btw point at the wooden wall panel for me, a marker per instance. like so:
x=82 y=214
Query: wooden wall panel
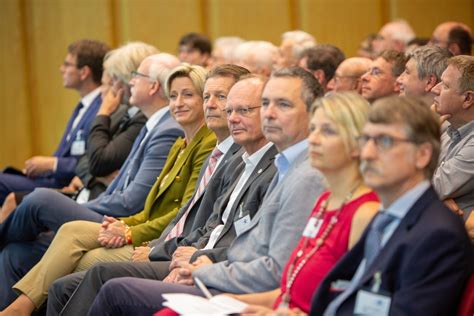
x=15 y=134
x=51 y=26
x=160 y=23
x=425 y=15
x=344 y=23
x=249 y=19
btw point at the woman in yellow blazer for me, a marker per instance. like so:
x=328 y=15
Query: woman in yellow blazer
x=79 y=244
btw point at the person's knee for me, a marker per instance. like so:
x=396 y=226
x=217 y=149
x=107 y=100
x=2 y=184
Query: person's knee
x=39 y=196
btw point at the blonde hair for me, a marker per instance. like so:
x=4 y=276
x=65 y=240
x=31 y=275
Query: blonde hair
x=120 y=62
x=195 y=73
x=349 y=112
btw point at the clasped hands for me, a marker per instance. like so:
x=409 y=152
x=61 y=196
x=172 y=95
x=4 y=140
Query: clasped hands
x=112 y=233
x=181 y=271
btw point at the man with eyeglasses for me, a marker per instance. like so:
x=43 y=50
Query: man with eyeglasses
x=454 y=177
x=381 y=78
x=81 y=71
x=415 y=256
x=348 y=73
x=45 y=210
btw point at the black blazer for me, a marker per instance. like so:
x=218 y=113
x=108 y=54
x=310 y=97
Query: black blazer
x=424 y=265
x=109 y=143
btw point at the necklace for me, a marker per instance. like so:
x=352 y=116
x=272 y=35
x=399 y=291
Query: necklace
x=292 y=271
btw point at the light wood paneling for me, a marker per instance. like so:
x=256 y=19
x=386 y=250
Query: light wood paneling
x=250 y=19
x=344 y=23
x=51 y=26
x=14 y=111
x=160 y=23
x=425 y=15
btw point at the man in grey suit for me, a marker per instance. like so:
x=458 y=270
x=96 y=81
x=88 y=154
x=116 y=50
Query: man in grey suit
x=46 y=210
x=233 y=210
x=256 y=257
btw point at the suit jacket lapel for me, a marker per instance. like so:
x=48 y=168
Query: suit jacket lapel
x=405 y=225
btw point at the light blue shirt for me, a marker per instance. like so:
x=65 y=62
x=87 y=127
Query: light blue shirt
x=397 y=209
x=285 y=159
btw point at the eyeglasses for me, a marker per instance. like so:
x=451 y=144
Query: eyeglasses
x=69 y=64
x=383 y=142
x=139 y=74
x=240 y=111
x=338 y=77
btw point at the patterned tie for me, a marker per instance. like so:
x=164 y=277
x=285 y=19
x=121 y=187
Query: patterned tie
x=70 y=127
x=373 y=243
x=177 y=230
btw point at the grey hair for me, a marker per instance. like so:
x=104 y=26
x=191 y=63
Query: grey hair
x=430 y=60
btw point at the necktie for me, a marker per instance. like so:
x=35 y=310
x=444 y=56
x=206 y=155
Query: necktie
x=455 y=137
x=177 y=230
x=125 y=170
x=373 y=243
x=72 y=122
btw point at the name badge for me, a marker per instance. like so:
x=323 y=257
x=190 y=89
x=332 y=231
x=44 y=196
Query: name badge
x=241 y=224
x=371 y=304
x=78 y=148
x=312 y=227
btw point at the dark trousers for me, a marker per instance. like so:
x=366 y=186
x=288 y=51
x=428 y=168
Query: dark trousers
x=74 y=294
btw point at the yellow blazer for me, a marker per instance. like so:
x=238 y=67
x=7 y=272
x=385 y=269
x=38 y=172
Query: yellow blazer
x=173 y=188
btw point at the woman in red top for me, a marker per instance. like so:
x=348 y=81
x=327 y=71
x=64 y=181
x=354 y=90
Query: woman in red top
x=340 y=215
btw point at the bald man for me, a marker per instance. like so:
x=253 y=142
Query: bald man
x=348 y=73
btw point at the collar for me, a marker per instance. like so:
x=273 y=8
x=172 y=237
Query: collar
x=463 y=131
x=225 y=145
x=90 y=97
x=132 y=111
x=285 y=159
x=252 y=160
x=155 y=118
x=403 y=204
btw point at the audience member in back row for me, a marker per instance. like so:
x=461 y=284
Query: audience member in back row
x=394 y=35
x=256 y=56
x=422 y=72
x=340 y=214
x=455 y=36
x=22 y=241
x=381 y=79
x=194 y=49
x=322 y=61
x=454 y=177
x=348 y=73
x=293 y=43
x=415 y=256
x=81 y=71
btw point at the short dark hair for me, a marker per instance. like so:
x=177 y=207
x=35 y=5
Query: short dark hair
x=90 y=53
x=421 y=124
x=310 y=88
x=227 y=70
x=326 y=57
x=197 y=41
x=462 y=38
x=397 y=59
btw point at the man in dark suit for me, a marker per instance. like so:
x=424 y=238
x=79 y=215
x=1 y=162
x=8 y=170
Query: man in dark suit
x=232 y=211
x=81 y=71
x=415 y=256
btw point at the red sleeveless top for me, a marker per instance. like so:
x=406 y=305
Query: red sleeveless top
x=321 y=262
